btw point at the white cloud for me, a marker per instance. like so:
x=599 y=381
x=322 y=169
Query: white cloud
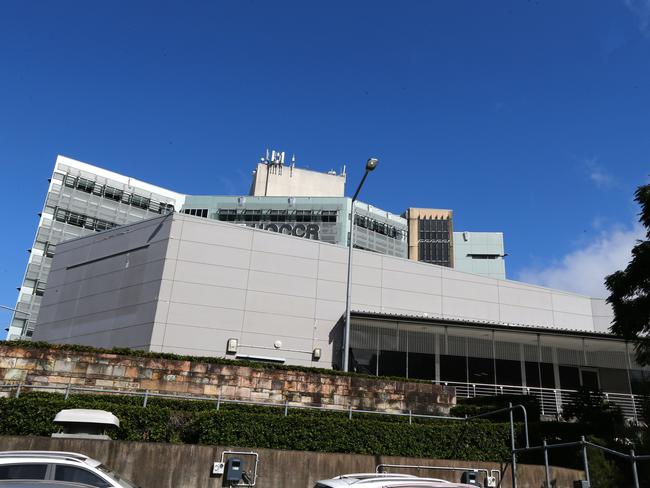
x=641 y=9
x=598 y=174
x=584 y=270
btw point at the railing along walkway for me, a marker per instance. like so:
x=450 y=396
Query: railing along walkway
x=551 y=400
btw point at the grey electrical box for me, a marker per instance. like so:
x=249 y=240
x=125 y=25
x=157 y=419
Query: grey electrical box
x=581 y=484
x=234 y=470
x=469 y=477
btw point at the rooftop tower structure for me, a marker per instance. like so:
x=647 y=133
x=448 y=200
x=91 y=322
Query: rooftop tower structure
x=274 y=178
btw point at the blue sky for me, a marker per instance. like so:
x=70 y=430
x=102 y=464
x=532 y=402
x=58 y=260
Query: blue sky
x=527 y=117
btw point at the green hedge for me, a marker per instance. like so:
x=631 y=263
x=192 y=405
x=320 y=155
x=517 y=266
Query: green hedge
x=165 y=420
x=484 y=404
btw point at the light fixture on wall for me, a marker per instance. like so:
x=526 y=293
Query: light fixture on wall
x=315 y=354
x=231 y=346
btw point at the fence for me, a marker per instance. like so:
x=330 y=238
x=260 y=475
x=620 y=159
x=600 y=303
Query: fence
x=632 y=457
x=218 y=400
x=551 y=400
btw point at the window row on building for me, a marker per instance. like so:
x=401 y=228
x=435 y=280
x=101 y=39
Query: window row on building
x=382 y=228
x=485 y=357
x=197 y=212
x=81 y=220
x=115 y=194
x=254 y=215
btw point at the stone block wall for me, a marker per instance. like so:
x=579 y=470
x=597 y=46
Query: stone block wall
x=58 y=368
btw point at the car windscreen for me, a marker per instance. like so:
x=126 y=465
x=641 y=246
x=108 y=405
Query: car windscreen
x=119 y=479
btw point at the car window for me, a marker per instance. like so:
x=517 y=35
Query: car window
x=26 y=471
x=79 y=475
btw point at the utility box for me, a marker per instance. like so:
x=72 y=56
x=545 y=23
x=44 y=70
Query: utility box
x=469 y=478
x=234 y=470
x=581 y=484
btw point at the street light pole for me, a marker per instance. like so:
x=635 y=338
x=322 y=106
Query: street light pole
x=371 y=164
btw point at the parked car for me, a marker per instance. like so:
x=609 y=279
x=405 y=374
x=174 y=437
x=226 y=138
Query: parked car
x=40 y=484
x=67 y=467
x=386 y=480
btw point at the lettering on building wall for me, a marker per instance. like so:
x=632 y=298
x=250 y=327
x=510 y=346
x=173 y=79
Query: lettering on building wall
x=308 y=231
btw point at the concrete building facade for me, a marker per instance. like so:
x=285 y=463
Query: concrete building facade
x=190 y=285
x=81 y=199
x=480 y=253
x=273 y=178
x=324 y=219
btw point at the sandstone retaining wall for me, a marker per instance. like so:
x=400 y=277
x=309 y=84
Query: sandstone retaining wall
x=58 y=368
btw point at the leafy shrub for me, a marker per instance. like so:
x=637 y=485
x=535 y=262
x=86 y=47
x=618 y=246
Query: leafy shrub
x=484 y=404
x=168 y=420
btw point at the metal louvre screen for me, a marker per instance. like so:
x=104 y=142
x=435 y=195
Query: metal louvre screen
x=364 y=336
x=455 y=346
x=570 y=356
x=421 y=341
x=506 y=350
x=388 y=338
x=479 y=348
x=606 y=359
x=531 y=353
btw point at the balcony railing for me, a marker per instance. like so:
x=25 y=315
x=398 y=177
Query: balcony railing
x=551 y=400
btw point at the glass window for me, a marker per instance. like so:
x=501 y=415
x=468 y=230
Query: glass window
x=113 y=193
x=422 y=366
x=70 y=181
x=50 y=249
x=60 y=215
x=76 y=219
x=548 y=376
x=363 y=361
x=453 y=368
x=508 y=372
x=392 y=363
x=481 y=370
x=589 y=379
x=532 y=374
x=85 y=185
x=640 y=381
x=614 y=380
x=140 y=201
x=79 y=475
x=27 y=471
x=569 y=378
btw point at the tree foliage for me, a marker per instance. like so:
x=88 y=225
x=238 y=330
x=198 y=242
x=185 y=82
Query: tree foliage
x=630 y=289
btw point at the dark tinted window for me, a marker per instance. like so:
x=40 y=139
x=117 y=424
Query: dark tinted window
x=508 y=372
x=79 y=475
x=422 y=366
x=23 y=472
x=453 y=368
x=481 y=370
x=569 y=378
x=392 y=363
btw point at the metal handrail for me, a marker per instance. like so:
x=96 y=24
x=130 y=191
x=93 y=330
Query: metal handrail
x=146 y=394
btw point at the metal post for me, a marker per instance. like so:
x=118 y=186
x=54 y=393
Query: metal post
x=348 y=295
x=585 y=460
x=547 y=473
x=146 y=398
x=635 y=475
x=350 y=411
x=371 y=164
x=67 y=391
x=512 y=446
x=410 y=417
x=18 y=389
x=286 y=408
x=219 y=401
